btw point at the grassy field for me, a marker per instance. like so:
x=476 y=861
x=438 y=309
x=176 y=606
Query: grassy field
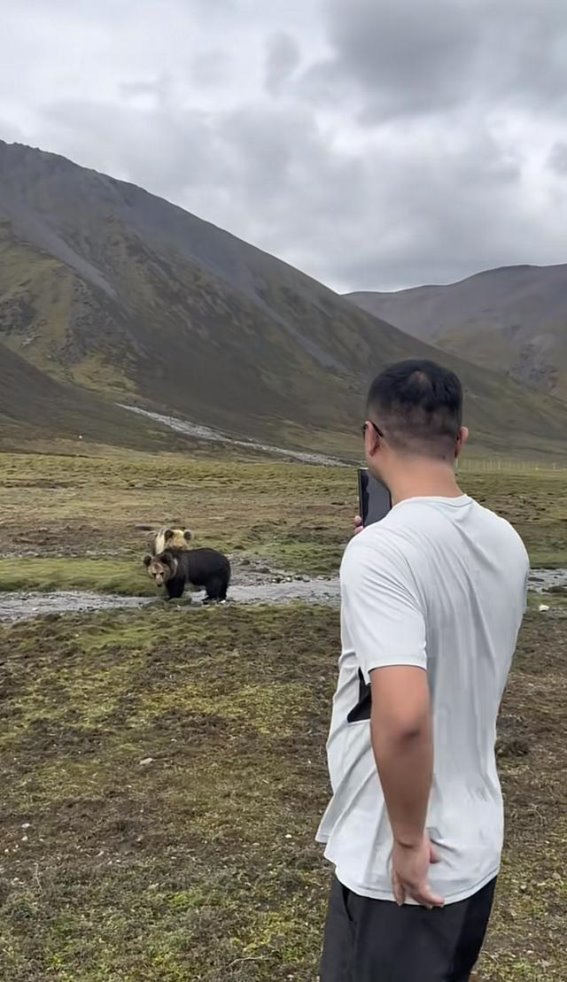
x=75 y=522
x=163 y=779
x=164 y=771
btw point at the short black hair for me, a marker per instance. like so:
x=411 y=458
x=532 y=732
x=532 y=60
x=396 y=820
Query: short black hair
x=419 y=405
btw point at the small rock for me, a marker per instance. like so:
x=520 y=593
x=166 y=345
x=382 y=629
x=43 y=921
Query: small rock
x=146 y=761
x=543 y=607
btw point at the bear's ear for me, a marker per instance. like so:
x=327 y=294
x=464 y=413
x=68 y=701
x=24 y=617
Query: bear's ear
x=168 y=534
x=147 y=560
x=187 y=535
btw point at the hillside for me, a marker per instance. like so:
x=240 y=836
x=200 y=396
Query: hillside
x=123 y=295
x=36 y=407
x=512 y=319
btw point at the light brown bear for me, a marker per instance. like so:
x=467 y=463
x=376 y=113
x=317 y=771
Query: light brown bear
x=170 y=538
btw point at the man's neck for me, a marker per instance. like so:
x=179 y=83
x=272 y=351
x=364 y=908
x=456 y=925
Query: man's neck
x=423 y=479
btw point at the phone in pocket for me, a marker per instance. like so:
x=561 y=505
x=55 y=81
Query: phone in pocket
x=374 y=500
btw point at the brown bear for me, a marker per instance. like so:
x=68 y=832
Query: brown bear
x=175 y=569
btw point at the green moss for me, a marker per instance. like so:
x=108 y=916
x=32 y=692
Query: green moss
x=99 y=575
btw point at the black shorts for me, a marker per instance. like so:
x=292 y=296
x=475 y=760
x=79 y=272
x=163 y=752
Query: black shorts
x=377 y=941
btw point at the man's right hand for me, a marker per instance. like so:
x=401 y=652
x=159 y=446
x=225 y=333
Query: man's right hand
x=358 y=526
x=410 y=869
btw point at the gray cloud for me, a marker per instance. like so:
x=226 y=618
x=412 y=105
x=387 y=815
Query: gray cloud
x=160 y=148
x=375 y=145
x=159 y=89
x=558 y=158
x=407 y=57
x=210 y=69
x=397 y=56
x=283 y=57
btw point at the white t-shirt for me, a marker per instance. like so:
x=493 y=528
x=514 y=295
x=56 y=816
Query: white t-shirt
x=441 y=584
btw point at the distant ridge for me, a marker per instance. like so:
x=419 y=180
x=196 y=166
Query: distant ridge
x=512 y=319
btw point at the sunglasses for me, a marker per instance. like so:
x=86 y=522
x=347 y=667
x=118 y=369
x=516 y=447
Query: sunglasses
x=376 y=429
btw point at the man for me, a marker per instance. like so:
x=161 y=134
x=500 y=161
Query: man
x=432 y=599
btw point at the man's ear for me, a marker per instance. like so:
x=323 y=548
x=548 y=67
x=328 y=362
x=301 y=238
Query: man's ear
x=371 y=441
x=462 y=439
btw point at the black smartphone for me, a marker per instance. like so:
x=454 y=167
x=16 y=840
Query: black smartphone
x=374 y=499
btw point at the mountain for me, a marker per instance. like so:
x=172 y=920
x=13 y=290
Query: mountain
x=512 y=319
x=116 y=296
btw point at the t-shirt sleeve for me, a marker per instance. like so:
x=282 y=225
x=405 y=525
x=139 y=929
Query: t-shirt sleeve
x=381 y=610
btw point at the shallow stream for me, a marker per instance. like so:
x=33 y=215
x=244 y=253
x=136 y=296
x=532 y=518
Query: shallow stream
x=24 y=605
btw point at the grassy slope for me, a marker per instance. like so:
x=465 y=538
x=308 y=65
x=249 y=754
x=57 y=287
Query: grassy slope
x=214 y=354
x=190 y=343
x=201 y=864
x=146 y=299
x=34 y=407
x=541 y=359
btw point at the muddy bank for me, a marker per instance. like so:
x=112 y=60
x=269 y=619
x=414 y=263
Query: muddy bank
x=22 y=605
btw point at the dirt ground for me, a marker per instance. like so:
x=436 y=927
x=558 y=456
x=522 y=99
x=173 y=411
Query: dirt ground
x=162 y=786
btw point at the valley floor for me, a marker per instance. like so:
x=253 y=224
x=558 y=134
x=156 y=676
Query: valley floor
x=81 y=522
x=164 y=772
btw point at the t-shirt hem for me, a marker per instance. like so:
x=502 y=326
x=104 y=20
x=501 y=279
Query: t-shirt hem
x=452 y=898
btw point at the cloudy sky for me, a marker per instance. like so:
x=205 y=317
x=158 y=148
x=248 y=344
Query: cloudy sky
x=375 y=144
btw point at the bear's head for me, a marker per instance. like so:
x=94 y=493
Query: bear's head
x=161 y=568
x=170 y=538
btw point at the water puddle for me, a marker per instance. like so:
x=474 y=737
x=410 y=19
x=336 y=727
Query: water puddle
x=542 y=580
x=23 y=606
